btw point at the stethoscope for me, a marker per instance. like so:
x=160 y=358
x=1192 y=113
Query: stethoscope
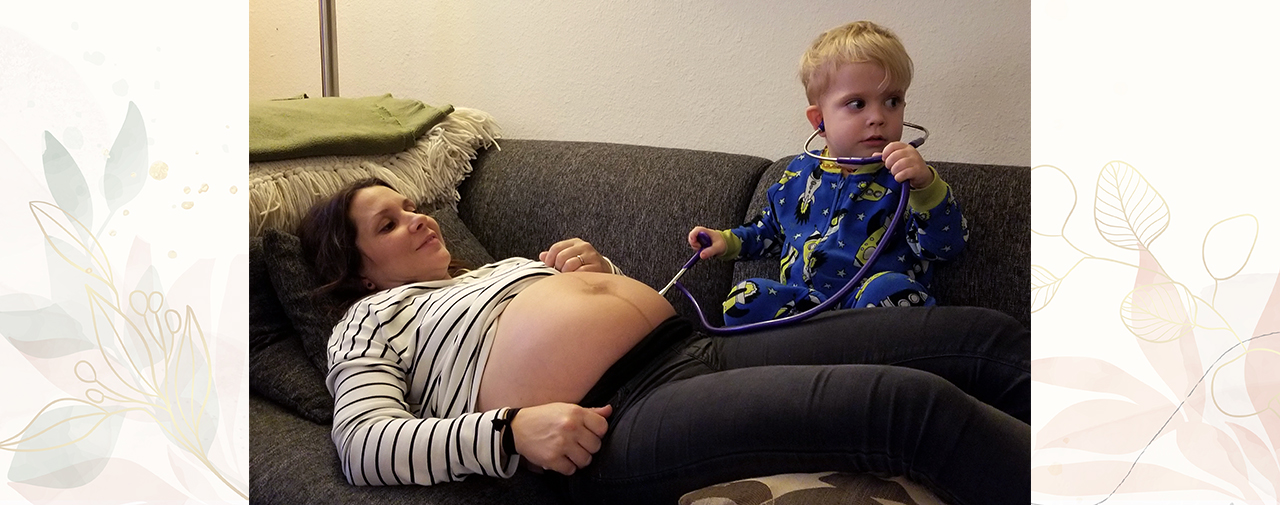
x=705 y=241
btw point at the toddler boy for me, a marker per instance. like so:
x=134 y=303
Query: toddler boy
x=823 y=218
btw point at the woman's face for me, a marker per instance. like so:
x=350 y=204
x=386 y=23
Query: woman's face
x=397 y=245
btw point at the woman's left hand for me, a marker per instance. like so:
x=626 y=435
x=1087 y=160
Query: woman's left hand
x=575 y=255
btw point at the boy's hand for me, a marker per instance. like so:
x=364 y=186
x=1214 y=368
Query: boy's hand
x=906 y=164
x=717 y=247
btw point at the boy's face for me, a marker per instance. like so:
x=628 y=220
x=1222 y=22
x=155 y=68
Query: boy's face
x=860 y=116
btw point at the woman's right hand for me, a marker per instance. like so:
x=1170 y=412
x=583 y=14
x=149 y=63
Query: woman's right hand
x=717 y=247
x=560 y=436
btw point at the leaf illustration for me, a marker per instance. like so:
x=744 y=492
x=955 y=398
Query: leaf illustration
x=1251 y=372
x=1104 y=426
x=1261 y=382
x=191 y=474
x=132 y=355
x=66 y=182
x=188 y=389
x=1043 y=286
x=1224 y=251
x=126 y=169
x=39 y=328
x=1101 y=477
x=1256 y=450
x=1160 y=312
x=148 y=303
x=66 y=280
x=1178 y=363
x=1129 y=212
x=121 y=482
x=64 y=446
x=56 y=223
x=1092 y=374
x=1213 y=451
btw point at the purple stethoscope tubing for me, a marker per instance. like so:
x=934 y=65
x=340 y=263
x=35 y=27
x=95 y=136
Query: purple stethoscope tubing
x=705 y=241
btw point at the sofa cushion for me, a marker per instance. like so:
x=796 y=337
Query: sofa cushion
x=282 y=372
x=293 y=461
x=994 y=270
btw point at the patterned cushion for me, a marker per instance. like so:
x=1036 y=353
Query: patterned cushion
x=807 y=488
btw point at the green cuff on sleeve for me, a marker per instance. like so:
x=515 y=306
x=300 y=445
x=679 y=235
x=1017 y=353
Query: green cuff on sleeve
x=929 y=196
x=733 y=245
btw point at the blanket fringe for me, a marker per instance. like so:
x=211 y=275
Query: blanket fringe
x=281 y=192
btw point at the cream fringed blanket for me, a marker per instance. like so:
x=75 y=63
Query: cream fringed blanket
x=280 y=192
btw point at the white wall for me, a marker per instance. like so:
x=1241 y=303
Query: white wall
x=717 y=75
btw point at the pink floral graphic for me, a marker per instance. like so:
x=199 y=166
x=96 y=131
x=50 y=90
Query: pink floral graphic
x=1217 y=398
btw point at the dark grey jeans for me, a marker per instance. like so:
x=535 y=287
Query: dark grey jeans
x=940 y=395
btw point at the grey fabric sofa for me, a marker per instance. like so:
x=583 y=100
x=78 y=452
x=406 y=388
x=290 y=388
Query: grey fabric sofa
x=635 y=204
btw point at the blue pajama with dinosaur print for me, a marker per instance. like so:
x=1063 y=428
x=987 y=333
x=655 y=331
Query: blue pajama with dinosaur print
x=824 y=224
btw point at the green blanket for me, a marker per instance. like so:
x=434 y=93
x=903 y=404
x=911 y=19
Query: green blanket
x=333 y=126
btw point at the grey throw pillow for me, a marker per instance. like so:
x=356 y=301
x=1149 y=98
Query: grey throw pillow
x=268 y=322
x=278 y=368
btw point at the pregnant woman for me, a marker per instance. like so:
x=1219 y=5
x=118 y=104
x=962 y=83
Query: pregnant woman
x=585 y=374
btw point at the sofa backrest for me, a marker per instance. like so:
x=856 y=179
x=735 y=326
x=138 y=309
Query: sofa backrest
x=994 y=271
x=634 y=203
x=637 y=203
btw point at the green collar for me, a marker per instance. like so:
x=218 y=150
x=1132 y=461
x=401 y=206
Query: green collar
x=836 y=168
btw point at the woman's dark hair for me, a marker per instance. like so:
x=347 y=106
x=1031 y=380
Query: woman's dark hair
x=329 y=243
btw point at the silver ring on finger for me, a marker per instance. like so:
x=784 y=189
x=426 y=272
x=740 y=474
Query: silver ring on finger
x=580 y=260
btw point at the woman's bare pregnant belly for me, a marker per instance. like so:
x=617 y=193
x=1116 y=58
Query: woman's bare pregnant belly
x=559 y=335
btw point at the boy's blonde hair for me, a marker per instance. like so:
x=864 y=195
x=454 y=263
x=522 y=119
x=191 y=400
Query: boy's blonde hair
x=856 y=42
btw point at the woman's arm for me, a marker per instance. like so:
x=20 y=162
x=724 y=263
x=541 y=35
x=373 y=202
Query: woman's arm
x=379 y=441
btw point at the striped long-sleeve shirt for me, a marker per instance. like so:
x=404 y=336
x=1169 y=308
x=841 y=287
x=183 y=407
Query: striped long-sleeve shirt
x=404 y=370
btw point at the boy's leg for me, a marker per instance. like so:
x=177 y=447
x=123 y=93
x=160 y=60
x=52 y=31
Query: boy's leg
x=889 y=289
x=984 y=352
x=755 y=300
x=736 y=424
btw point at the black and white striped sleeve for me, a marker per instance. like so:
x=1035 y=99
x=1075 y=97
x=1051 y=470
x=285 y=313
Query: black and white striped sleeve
x=379 y=441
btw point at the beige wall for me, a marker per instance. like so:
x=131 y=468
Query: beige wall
x=718 y=75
